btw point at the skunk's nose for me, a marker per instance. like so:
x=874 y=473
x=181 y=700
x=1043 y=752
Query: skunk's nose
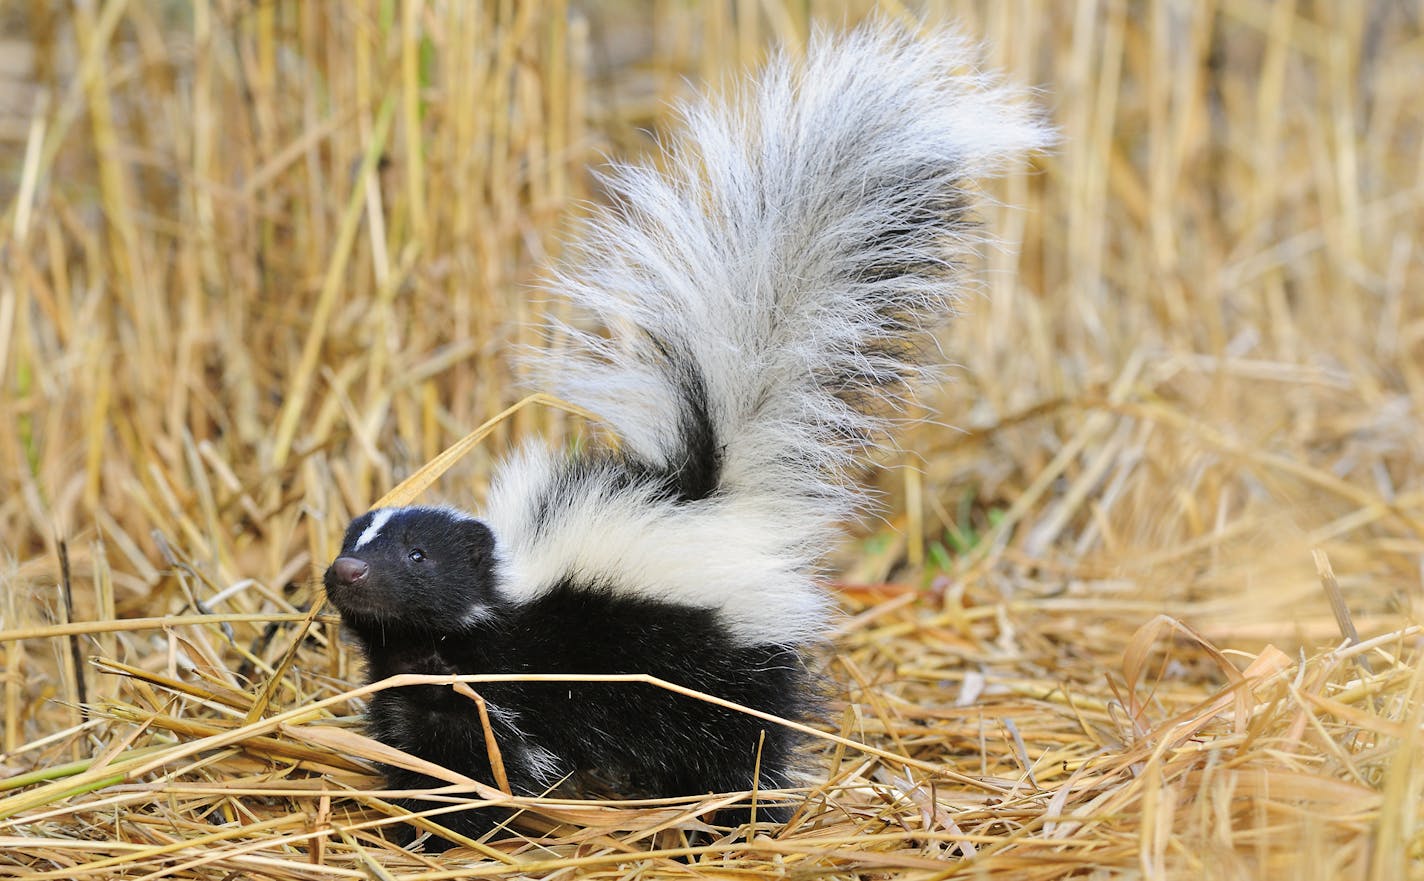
x=350 y=570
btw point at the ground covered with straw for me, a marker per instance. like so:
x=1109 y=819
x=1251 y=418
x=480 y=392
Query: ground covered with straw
x=1144 y=601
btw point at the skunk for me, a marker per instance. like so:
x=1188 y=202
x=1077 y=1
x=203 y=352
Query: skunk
x=760 y=305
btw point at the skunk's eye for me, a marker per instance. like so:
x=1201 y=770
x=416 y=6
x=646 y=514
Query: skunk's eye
x=416 y=555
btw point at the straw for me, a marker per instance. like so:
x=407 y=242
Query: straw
x=1143 y=597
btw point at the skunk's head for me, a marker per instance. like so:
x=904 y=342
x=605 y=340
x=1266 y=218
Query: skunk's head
x=430 y=568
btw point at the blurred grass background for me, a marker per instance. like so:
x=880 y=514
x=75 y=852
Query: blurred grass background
x=261 y=260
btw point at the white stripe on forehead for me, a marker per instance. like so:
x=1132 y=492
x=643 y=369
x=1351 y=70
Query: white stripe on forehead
x=378 y=523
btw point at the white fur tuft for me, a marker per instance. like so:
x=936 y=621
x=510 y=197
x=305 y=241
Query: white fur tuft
x=783 y=268
x=734 y=554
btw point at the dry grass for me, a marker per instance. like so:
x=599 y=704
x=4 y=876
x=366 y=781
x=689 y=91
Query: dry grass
x=261 y=261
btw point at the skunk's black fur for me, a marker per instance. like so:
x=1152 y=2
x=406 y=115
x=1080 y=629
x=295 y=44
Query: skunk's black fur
x=767 y=297
x=650 y=740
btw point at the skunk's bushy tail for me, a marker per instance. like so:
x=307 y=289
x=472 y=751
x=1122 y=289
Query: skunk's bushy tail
x=762 y=301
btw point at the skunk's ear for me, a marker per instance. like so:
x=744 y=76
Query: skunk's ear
x=477 y=539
